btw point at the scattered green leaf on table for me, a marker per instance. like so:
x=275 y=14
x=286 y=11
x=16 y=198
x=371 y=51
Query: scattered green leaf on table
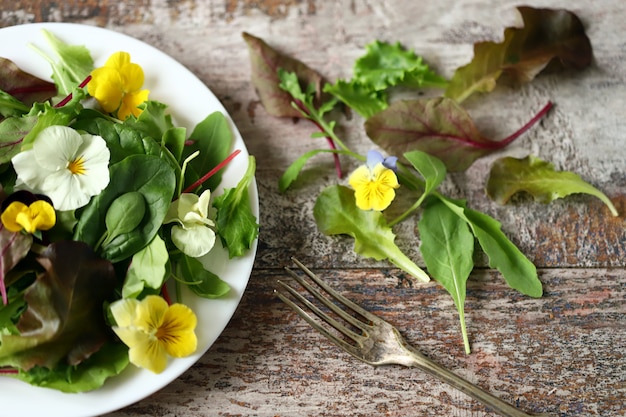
x=293 y=171
x=336 y=213
x=236 y=225
x=384 y=65
x=432 y=169
x=547 y=36
x=447 y=248
x=517 y=270
x=64 y=320
x=265 y=62
x=509 y=176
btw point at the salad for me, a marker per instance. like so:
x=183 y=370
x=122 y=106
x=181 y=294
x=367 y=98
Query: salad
x=108 y=209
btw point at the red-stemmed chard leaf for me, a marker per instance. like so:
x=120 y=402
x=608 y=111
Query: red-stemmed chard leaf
x=438 y=126
x=64 y=320
x=549 y=37
x=23 y=86
x=265 y=62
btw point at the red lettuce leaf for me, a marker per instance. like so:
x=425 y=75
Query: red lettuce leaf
x=14 y=247
x=549 y=37
x=64 y=320
x=23 y=86
x=438 y=126
x=265 y=62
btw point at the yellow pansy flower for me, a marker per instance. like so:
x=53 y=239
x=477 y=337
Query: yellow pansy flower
x=39 y=215
x=152 y=330
x=374 y=184
x=117 y=86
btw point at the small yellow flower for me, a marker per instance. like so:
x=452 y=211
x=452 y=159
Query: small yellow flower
x=117 y=86
x=374 y=188
x=152 y=330
x=39 y=215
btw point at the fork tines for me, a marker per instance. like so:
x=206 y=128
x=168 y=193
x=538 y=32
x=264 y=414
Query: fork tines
x=333 y=302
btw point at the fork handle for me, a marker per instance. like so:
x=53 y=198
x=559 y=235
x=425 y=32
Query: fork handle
x=501 y=407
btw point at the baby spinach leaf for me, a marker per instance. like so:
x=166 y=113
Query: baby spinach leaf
x=124 y=215
x=336 y=213
x=145 y=174
x=519 y=273
x=509 y=176
x=447 y=248
x=214 y=139
x=548 y=36
x=236 y=225
x=23 y=87
x=202 y=282
x=64 y=320
x=122 y=139
x=438 y=126
x=147 y=269
x=384 y=65
x=265 y=62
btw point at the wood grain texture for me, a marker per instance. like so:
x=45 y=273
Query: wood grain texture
x=563 y=353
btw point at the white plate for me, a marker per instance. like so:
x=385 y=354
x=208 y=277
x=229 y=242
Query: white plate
x=190 y=101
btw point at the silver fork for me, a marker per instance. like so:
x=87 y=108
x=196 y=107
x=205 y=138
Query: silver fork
x=378 y=342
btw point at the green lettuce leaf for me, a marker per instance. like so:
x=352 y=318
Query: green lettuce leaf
x=383 y=65
x=336 y=213
x=509 y=176
x=73 y=66
x=548 y=36
x=236 y=224
x=147 y=269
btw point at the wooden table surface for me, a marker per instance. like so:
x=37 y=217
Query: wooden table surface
x=563 y=353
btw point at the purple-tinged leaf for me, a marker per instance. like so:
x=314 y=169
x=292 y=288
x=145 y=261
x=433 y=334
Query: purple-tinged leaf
x=438 y=126
x=64 y=320
x=23 y=86
x=15 y=247
x=265 y=62
x=549 y=37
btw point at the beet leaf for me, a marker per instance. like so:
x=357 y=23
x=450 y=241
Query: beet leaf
x=552 y=37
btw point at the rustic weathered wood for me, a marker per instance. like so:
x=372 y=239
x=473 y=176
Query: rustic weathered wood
x=563 y=353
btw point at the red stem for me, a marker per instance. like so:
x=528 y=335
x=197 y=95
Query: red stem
x=69 y=96
x=8 y=371
x=166 y=294
x=212 y=172
x=331 y=143
x=523 y=129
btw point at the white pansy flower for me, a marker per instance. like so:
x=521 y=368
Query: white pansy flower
x=193 y=234
x=66 y=166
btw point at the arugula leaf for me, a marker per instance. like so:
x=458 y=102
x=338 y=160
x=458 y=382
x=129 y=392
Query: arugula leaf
x=447 y=248
x=293 y=171
x=384 y=65
x=519 y=273
x=236 y=225
x=509 y=176
x=63 y=321
x=265 y=62
x=25 y=88
x=547 y=37
x=74 y=65
x=336 y=213
x=438 y=126
x=432 y=169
